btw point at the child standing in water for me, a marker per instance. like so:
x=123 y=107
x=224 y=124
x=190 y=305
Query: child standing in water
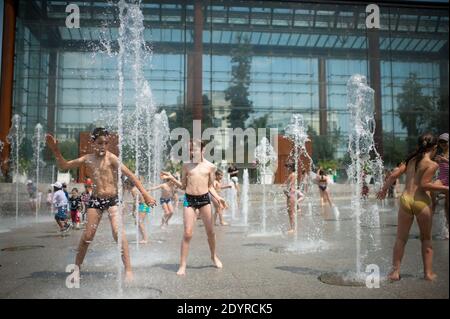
x=293 y=196
x=415 y=202
x=442 y=159
x=75 y=206
x=218 y=210
x=60 y=203
x=168 y=192
x=142 y=209
x=197 y=178
x=49 y=199
x=103 y=167
x=85 y=198
x=323 y=181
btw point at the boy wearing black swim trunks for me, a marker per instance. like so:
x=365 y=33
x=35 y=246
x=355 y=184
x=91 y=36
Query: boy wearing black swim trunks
x=102 y=166
x=168 y=191
x=197 y=179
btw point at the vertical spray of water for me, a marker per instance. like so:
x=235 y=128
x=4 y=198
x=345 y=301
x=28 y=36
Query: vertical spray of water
x=296 y=132
x=161 y=135
x=134 y=51
x=120 y=71
x=52 y=207
x=38 y=145
x=266 y=156
x=14 y=138
x=244 y=197
x=363 y=154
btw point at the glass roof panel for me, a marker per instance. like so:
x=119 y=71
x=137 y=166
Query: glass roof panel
x=294 y=39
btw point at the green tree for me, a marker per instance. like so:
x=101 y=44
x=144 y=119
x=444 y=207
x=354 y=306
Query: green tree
x=260 y=122
x=69 y=150
x=324 y=147
x=238 y=91
x=439 y=116
x=415 y=109
x=395 y=150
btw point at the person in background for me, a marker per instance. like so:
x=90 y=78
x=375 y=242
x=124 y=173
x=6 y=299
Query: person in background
x=234 y=176
x=442 y=160
x=49 y=199
x=32 y=193
x=60 y=203
x=85 y=198
x=75 y=207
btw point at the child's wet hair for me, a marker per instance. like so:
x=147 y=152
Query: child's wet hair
x=99 y=131
x=219 y=173
x=425 y=143
x=75 y=189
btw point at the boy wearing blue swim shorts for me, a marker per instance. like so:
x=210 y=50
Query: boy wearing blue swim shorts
x=60 y=203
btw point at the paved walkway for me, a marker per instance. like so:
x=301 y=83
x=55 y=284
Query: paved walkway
x=256 y=264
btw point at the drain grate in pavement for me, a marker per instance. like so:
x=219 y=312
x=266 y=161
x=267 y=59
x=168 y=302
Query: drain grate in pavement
x=279 y=250
x=19 y=248
x=342 y=279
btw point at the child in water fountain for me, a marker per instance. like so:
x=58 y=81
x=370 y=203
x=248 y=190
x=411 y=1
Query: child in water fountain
x=198 y=181
x=292 y=195
x=60 y=202
x=102 y=166
x=75 y=206
x=49 y=199
x=168 y=191
x=322 y=182
x=218 y=210
x=142 y=210
x=415 y=202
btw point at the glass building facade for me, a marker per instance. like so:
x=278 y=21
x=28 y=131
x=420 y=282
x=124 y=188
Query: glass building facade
x=300 y=56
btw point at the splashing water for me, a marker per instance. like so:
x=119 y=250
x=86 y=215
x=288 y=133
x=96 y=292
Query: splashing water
x=38 y=145
x=363 y=154
x=245 y=197
x=14 y=138
x=296 y=132
x=231 y=197
x=161 y=135
x=149 y=148
x=266 y=157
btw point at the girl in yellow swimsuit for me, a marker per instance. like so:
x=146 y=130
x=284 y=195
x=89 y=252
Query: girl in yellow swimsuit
x=415 y=201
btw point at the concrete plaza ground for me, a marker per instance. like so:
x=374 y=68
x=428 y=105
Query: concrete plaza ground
x=256 y=265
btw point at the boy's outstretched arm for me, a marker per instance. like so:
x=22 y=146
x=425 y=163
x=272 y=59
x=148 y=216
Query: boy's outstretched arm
x=154 y=188
x=181 y=185
x=149 y=200
x=52 y=144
